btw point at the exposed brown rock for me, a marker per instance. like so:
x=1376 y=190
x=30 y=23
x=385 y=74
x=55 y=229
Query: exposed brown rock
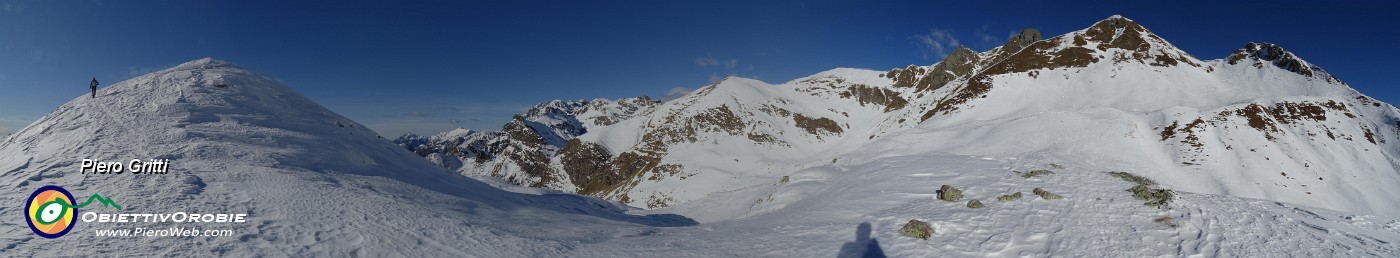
x=876 y=96
x=1117 y=33
x=1190 y=131
x=627 y=167
x=1263 y=118
x=528 y=154
x=773 y=110
x=762 y=138
x=1279 y=57
x=1169 y=131
x=816 y=125
x=1012 y=46
x=905 y=77
x=719 y=119
x=1025 y=38
x=1371 y=137
x=958 y=64
x=1036 y=56
x=588 y=165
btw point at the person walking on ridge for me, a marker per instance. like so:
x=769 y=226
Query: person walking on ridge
x=93 y=86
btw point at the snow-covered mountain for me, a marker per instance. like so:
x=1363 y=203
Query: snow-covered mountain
x=1259 y=123
x=312 y=182
x=521 y=150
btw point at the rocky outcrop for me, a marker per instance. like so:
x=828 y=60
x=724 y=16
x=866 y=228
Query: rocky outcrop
x=959 y=64
x=875 y=96
x=1262 y=53
x=1117 y=39
x=588 y=165
x=521 y=152
x=1022 y=40
x=816 y=126
x=1012 y=46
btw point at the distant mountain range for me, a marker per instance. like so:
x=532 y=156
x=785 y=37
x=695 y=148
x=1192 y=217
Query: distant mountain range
x=1260 y=122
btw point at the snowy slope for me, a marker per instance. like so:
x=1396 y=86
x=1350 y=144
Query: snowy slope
x=855 y=210
x=313 y=182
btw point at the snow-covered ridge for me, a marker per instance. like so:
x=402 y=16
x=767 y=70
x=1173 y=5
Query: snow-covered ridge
x=239 y=142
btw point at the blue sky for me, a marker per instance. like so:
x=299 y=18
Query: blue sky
x=428 y=66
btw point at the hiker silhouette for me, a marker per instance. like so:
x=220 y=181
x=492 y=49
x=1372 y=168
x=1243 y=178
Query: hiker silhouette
x=93 y=86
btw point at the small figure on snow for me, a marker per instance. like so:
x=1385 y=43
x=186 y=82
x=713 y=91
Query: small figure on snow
x=93 y=86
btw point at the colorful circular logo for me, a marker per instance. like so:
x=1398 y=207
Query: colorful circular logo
x=50 y=211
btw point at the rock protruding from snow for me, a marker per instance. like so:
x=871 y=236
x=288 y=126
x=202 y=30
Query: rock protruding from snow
x=1259 y=54
x=916 y=229
x=1023 y=39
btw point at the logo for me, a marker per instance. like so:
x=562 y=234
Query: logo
x=51 y=211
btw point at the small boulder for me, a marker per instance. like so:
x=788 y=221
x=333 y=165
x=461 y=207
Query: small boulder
x=948 y=193
x=916 y=229
x=1009 y=197
x=975 y=204
x=1036 y=173
x=1045 y=194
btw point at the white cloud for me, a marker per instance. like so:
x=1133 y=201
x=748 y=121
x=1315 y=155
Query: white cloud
x=937 y=43
x=706 y=61
x=675 y=93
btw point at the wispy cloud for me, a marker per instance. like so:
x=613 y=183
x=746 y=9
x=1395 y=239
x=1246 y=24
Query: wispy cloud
x=709 y=60
x=416 y=114
x=730 y=67
x=394 y=120
x=985 y=39
x=675 y=93
x=937 y=43
x=706 y=61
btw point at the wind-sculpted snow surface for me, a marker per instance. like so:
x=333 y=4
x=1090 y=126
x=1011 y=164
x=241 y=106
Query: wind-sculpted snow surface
x=852 y=210
x=312 y=182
